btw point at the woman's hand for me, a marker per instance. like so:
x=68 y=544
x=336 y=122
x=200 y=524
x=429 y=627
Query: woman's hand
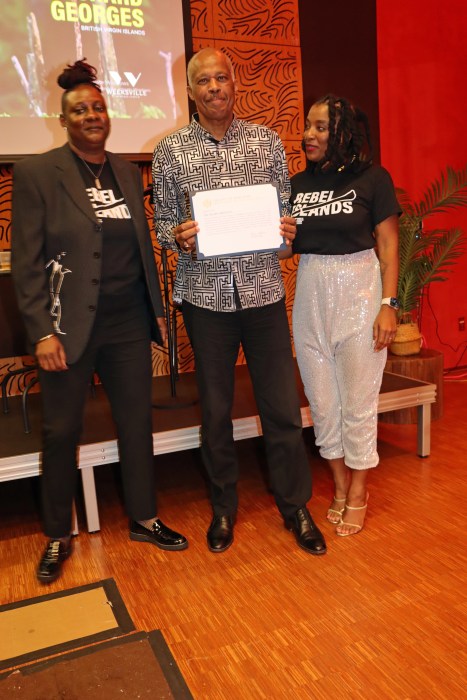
x=288 y=229
x=185 y=235
x=162 y=325
x=50 y=355
x=384 y=327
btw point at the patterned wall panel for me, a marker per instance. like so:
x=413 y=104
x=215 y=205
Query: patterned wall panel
x=166 y=268
x=289 y=274
x=7 y=363
x=160 y=361
x=296 y=162
x=201 y=18
x=268 y=85
x=16 y=383
x=5 y=206
x=201 y=43
x=295 y=156
x=261 y=21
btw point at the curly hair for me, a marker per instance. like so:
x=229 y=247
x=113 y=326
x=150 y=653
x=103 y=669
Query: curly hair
x=79 y=73
x=349 y=144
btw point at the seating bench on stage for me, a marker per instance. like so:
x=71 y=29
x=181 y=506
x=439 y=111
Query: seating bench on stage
x=178 y=428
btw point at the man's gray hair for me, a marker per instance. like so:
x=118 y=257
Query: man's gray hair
x=192 y=64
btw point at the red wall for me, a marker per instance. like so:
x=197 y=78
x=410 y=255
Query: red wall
x=422 y=73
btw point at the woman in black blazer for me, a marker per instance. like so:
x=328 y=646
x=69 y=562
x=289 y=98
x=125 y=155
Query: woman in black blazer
x=87 y=286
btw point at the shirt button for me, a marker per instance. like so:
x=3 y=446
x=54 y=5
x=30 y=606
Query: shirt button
x=91 y=307
x=96 y=254
x=94 y=281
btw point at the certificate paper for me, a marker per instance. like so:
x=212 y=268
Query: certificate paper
x=237 y=220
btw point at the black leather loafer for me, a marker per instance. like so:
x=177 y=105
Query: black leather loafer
x=220 y=533
x=306 y=533
x=51 y=562
x=160 y=535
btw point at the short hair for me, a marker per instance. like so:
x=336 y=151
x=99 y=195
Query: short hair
x=192 y=63
x=349 y=142
x=79 y=73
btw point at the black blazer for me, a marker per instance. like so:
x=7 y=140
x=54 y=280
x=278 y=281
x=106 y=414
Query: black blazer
x=53 y=216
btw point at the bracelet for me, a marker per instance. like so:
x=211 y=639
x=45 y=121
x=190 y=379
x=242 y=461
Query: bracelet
x=46 y=337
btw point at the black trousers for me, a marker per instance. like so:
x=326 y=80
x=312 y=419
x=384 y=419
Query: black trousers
x=120 y=351
x=265 y=337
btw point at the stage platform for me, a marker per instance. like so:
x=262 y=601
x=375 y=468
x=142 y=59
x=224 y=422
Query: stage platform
x=175 y=427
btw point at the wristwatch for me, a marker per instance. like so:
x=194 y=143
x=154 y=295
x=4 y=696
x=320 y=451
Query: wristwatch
x=392 y=302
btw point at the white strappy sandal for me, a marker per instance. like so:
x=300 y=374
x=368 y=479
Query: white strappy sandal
x=355 y=528
x=335 y=511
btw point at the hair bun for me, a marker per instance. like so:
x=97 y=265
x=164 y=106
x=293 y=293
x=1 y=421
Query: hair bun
x=76 y=74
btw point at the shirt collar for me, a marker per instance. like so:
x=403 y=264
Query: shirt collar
x=201 y=131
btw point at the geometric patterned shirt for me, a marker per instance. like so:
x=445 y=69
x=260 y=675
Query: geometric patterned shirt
x=190 y=160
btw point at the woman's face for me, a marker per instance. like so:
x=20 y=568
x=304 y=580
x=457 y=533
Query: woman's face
x=316 y=134
x=86 y=119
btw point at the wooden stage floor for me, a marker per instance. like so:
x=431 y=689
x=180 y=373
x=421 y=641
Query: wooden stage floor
x=175 y=427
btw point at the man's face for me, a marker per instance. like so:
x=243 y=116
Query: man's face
x=212 y=88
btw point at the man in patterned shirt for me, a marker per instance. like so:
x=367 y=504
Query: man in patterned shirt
x=231 y=300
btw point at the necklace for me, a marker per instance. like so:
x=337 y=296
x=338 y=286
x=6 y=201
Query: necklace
x=97 y=175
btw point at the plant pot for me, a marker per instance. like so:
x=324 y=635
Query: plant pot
x=408 y=339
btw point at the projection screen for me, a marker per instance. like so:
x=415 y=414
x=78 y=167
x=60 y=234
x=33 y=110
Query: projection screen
x=137 y=46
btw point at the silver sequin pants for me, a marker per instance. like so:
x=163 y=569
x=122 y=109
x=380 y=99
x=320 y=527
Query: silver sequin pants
x=337 y=299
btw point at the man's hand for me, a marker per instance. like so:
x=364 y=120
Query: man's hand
x=185 y=234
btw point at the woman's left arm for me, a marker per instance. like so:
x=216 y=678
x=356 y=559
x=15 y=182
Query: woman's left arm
x=387 y=239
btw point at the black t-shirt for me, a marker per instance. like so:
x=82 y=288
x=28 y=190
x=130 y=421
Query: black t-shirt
x=337 y=212
x=122 y=267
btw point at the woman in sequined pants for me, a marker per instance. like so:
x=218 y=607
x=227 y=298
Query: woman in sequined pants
x=344 y=314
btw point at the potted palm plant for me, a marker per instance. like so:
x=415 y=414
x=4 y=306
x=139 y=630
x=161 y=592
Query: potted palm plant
x=426 y=255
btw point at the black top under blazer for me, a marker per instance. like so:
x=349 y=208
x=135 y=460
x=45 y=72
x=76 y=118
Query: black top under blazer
x=51 y=215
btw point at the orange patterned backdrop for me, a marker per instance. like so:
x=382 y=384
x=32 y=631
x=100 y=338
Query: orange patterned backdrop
x=262 y=39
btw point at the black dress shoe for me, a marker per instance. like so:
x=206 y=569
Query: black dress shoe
x=51 y=562
x=160 y=535
x=306 y=533
x=220 y=533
